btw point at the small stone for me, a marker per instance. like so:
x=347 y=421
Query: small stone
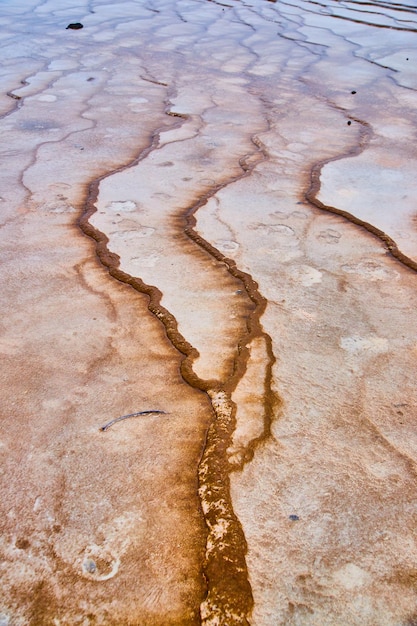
x=349 y=123
x=89 y=566
x=74 y=26
x=353 y=92
x=293 y=518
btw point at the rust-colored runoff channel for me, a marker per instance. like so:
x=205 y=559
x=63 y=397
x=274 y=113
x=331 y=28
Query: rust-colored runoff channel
x=229 y=599
x=311 y=196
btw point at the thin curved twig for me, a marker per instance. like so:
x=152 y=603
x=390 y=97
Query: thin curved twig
x=125 y=417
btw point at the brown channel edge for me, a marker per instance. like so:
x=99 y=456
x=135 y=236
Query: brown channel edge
x=229 y=598
x=311 y=196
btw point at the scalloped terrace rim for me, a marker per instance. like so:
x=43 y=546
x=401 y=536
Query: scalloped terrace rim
x=311 y=196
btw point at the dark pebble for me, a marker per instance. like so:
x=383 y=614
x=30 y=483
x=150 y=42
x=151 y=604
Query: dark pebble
x=74 y=26
x=353 y=92
x=349 y=123
x=293 y=518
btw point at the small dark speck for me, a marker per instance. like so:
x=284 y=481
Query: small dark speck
x=293 y=518
x=353 y=92
x=22 y=544
x=74 y=26
x=239 y=291
x=91 y=78
x=407 y=59
x=349 y=123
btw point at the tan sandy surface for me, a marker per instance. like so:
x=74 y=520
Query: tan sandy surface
x=208 y=217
